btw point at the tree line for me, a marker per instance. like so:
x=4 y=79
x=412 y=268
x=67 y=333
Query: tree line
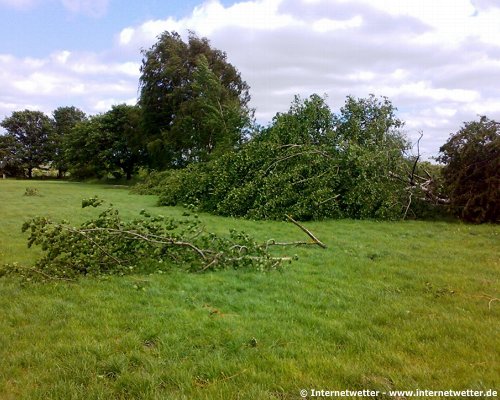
x=193 y=122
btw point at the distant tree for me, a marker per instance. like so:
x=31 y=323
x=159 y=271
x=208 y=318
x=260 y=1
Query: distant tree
x=122 y=125
x=30 y=131
x=65 y=119
x=104 y=144
x=10 y=165
x=472 y=170
x=193 y=101
x=82 y=147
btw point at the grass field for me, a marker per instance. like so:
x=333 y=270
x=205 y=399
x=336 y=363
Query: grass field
x=389 y=305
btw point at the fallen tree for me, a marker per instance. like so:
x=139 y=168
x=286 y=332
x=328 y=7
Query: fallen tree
x=309 y=163
x=424 y=189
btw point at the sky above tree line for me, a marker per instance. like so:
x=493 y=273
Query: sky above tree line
x=438 y=61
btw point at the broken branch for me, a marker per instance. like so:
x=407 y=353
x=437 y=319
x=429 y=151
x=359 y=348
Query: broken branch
x=307 y=232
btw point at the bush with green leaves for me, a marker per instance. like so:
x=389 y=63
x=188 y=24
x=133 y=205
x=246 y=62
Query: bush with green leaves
x=471 y=160
x=309 y=163
x=108 y=244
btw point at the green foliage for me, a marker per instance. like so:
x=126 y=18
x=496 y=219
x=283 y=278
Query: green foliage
x=29 y=144
x=108 y=244
x=10 y=164
x=31 y=191
x=104 y=144
x=471 y=172
x=369 y=123
x=194 y=102
x=308 y=163
x=65 y=119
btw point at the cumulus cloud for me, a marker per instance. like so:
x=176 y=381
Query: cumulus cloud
x=64 y=78
x=92 y=8
x=436 y=60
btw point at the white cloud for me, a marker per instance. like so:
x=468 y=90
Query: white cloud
x=106 y=104
x=92 y=8
x=327 y=24
x=211 y=16
x=61 y=56
x=65 y=78
x=438 y=61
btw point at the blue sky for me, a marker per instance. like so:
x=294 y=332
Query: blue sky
x=34 y=29
x=437 y=61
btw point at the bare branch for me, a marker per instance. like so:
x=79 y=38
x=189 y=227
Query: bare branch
x=307 y=232
x=412 y=182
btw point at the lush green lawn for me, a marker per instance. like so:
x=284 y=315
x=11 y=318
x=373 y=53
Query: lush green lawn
x=389 y=305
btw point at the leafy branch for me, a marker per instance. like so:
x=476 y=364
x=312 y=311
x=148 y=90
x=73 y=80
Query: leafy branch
x=107 y=244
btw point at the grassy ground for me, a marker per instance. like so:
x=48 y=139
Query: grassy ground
x=389 y=305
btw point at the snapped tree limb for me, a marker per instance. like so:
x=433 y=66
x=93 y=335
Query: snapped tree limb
x=109 y=245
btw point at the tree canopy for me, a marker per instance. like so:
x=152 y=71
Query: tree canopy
x=106 y=143
x=29 y=145
x=193 y=101
x=471 y=172
x=65 y=119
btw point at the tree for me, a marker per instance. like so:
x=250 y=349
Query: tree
x=193 y=101
x=30 y=131
x=104 y=144
x=82 y=148
x=369 y=122
x=308 y=122
x=471 y=171
x=309 y=163
x=65 y=119
x=122 y=126
x=9 y=163
x=368 y=135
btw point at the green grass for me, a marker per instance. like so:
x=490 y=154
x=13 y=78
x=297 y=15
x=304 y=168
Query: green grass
x=389 y=305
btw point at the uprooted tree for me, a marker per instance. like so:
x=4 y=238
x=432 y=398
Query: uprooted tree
x=308 y=163
x=423 y=185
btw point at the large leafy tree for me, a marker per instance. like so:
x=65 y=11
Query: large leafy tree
x=30 y=137
x=471 y=172
x=104 y=144
x=193 y=101
x=65 y=119
x=122 y=124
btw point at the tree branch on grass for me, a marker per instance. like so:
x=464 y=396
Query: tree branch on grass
x=109 y=245
x=307 y=232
